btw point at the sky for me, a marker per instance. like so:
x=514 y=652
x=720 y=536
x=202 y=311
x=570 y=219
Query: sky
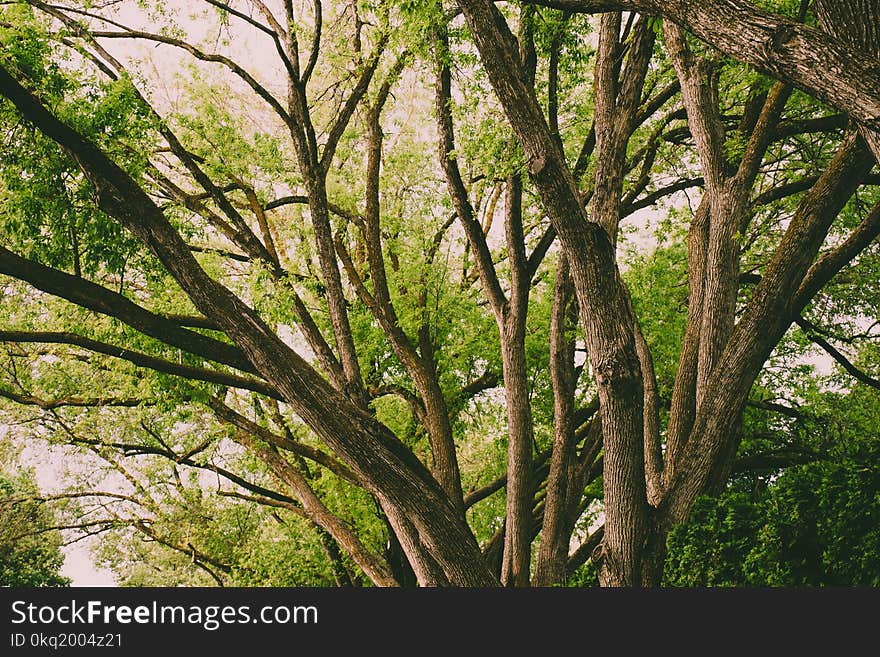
x=49 y=465
x=78 y=566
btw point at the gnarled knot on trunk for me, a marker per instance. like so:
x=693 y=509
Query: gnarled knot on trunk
x=537 y=163
x=780 y=37
x=610 y=571
x=617 y=371
x=873 y=122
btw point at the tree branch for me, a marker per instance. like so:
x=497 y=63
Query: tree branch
x=844 y=362
x=141 y=360
x=229 y=416
x=789 y=51
x=457 y=190
x=99 y=299
x=77 y=402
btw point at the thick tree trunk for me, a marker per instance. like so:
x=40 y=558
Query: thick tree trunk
x=857 y=24
x=713 y=251
x=605 y=310
x=617 y=89
x=700 y=462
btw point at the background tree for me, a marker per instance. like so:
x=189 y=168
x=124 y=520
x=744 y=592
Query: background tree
x=30 y=544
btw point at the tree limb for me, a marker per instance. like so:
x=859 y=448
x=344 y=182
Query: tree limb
x=141 y=360
x=99 y=299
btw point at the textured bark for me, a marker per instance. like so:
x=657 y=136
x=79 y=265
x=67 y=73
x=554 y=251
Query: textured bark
x=437 y=540
x=644 y=497
x=550 y=569
x=763 y=323
x=726 y=203
x=703 y=442
x=653 y=448
x=519 y=526
x=857 y=24
x=605 y=310
x=617 y=91
x=788 y=51
x=617 y=96
x=713 y=250
x=512 y=326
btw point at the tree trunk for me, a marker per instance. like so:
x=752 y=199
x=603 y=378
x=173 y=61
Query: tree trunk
x=515 y=568
x=550 y=569
x=605 y=310
x=510 y=314
x=764 y=321
x=857 y=24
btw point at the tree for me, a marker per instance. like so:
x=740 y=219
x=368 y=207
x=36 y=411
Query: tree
x=724 y=358
x=831 y=69
x=318 y=299
x=30 y=546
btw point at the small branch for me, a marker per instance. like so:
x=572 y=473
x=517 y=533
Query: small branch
x=775 y=408
x=142 y=360
x=580 y=556
x=79 y=402
x=266 y=501
x=337 y=129
x=844 y=362
x=316 y=44
x=480 y=494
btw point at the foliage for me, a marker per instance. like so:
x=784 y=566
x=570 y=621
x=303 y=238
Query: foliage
x=30 y=550
x=814 y=524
